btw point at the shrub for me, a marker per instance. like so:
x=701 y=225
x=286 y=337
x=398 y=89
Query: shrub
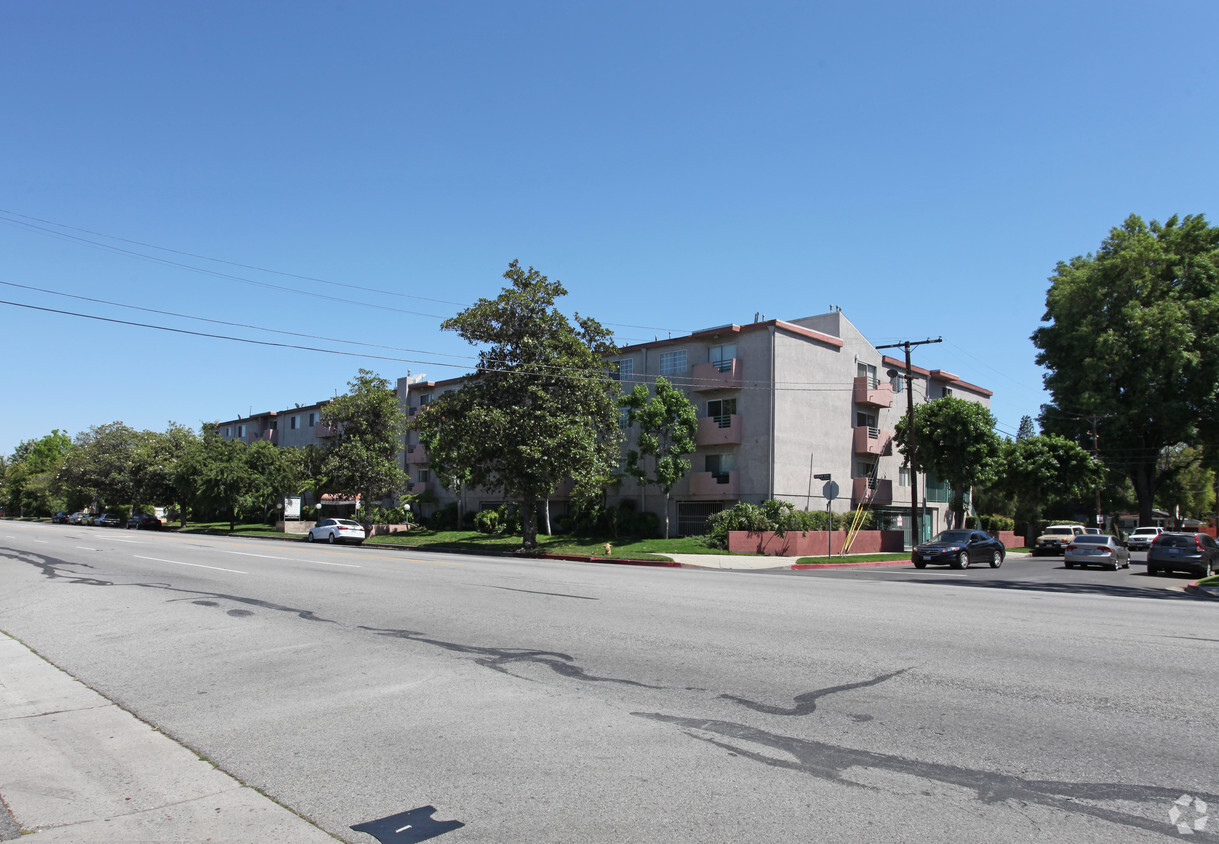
x=488 y=521
x=444 y=518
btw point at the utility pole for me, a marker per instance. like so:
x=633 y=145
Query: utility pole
x=915 y=536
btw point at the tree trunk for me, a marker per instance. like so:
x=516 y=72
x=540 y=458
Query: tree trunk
x=1142 y=476
x=529 y=523
x=547 y=513
x=666 y=514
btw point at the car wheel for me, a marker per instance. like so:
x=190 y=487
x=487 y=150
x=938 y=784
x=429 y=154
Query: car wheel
x=1152 y=570
x=309 y=536
x=1208 y=569
x=996 y=559
x=1069 y=564
x=919 y=564
x=331 y=540
x=962 y=560
x=1117 y=564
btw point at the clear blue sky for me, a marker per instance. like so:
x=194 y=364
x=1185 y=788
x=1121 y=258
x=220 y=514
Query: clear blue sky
x=923 y=166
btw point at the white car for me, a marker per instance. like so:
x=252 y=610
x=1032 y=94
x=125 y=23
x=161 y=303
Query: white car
x=1142 y=537
x=336 y=530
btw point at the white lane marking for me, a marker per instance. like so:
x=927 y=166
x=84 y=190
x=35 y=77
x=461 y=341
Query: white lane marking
x=193 y=565
x=288 y=559
x=43 y=541
x=83 y=548
x=116 y=539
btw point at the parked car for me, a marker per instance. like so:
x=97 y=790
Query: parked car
x=959 y=549
x=79 y=518
x=143 y=521
x=1195 y=553
x=60 y=518
x=1140 y=538
x=1054 y=538
x=336 y=530
x=107 y=520
x=1090 y=549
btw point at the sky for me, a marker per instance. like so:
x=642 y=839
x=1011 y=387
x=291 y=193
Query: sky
x=325 y=174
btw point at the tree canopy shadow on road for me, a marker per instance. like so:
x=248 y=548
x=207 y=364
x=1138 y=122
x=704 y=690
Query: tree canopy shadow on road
x=1155 y=592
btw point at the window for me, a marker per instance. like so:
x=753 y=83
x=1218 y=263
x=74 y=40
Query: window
x=865 y=468
x=868 y=371
x=947 y=392
x=424 y=476
x=863 y=419
x=718 y=466
x=673 y=363
x=722 y=410
x=424 y=398
x=625 y=370
x=903 y=476
x=721 y=357
x=241 y=430
x=292 y=422
x=624 y=418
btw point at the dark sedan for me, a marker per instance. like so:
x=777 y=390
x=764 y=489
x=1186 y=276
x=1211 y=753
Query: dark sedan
x=1193 y=553
x=107 y=520
x=143 y=521
x=960 y=549
x=60 y=518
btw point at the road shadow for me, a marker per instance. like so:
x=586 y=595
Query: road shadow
x=1154 y=592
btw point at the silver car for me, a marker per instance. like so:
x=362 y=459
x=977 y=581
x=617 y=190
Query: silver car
x=1091 y=549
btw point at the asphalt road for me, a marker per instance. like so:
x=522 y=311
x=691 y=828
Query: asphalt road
x=547 y=701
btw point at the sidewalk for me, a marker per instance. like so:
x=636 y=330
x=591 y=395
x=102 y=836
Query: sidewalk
x=74 y=767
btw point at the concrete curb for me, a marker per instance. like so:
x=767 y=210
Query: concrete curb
x=1201 y=591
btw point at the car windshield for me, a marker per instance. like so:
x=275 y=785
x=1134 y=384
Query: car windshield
x=1177 y=540
x=953 y=536
x=1145 y=531
x=346 y=523
x=1091 y=539
x=1059 y=532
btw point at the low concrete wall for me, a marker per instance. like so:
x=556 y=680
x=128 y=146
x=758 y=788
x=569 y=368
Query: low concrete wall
x=1008 y=538
x=814 y=543
x=382 y=530
x=294 y=527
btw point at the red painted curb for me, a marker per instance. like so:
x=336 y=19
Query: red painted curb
x=615 y=560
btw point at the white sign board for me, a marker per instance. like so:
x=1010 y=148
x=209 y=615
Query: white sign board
x=292 y=508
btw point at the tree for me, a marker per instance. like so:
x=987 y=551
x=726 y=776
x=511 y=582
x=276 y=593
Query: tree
x=1038 y=469
x=276 y=473
x=541 y=408
x=369 y=426
x=32 y=474
x=1026 y=429
x=955 y=439
x=1187 y=488
x=1130 y=339
x=214 y=475
x=667 y=424
x=102 y=466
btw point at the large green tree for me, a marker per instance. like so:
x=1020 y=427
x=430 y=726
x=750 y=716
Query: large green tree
x=1130 y=342
x=31 y=476
x=215 y=474
x=369 y=426
x=541 y=409
x=1038 y=469
x=954 y=438
x=103 y=465
x=667 y=424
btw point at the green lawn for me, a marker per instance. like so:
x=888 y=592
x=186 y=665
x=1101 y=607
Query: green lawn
x=465 y=540
x=855 y=558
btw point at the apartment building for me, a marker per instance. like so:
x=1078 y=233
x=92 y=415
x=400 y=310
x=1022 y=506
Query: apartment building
x=779 y=403
x=294 y=428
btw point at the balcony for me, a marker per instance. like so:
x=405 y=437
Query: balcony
x=871 y=440
x=416 y=454
x=322 y=430
x=872 y=491
x=419 y=487
x=709 y=377
x=872 y=392
x=707 y=485
x=718 y=430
